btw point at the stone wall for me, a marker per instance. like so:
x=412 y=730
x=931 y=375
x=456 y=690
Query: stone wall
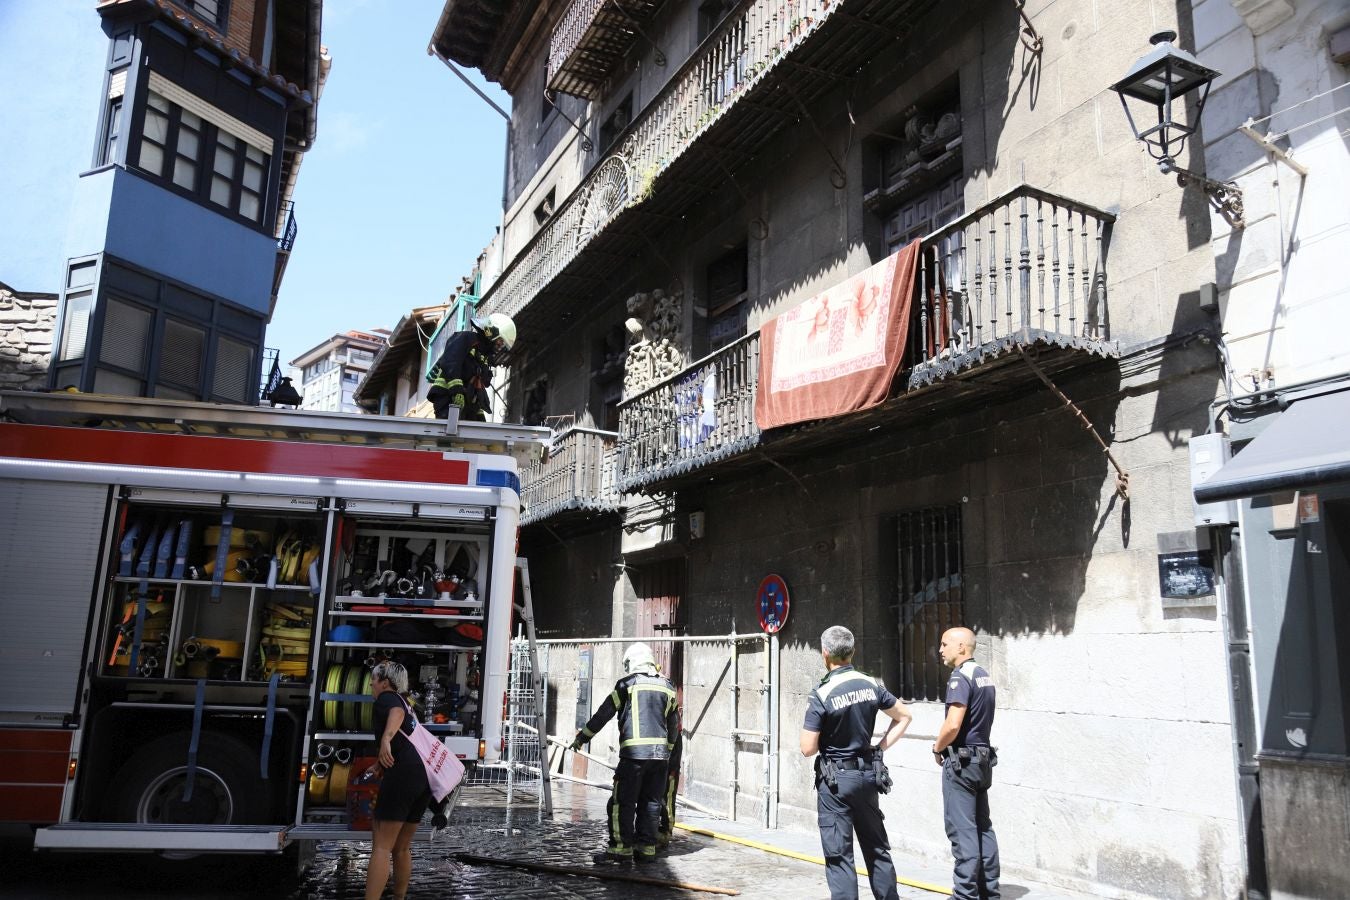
x=27 y=323
x=1099 y=684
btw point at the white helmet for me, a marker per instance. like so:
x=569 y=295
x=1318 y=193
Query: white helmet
x=498 y=326
x=639 y=657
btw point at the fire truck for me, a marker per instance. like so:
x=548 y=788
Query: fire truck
x=194 y=593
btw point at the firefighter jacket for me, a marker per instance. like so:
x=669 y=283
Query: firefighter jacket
x=465 y=368
x=649 y=716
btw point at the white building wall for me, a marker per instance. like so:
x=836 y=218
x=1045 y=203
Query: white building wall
x=1284 y=312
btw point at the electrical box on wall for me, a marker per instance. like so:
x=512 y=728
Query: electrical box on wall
x=1209 y=452
x=696 y=526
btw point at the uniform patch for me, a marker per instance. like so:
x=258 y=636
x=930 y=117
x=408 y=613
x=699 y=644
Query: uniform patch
x=852 y=697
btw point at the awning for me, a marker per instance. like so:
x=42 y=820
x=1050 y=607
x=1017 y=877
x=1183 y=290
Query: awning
x=1307 y=445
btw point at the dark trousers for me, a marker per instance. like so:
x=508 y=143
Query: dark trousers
x=667 y=824
x=848 y=807
x=965 y=806
x=635 y=806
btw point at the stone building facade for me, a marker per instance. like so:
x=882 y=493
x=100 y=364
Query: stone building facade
x=1277 y=128
x=746 y=157
x=27 y=321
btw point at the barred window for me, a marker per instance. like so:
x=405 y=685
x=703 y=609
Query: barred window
x=930 y=566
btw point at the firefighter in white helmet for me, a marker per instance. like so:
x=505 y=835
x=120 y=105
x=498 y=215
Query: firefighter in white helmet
x=464 y=371
x=649 y=725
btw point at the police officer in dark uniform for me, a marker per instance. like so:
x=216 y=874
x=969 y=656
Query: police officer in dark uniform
x=840 y=717
x=649 y=723
x=967 y=759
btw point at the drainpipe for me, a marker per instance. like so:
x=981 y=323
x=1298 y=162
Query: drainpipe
x=506 y=157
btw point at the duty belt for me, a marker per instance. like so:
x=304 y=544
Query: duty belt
x=982 y=753
x=854 y=762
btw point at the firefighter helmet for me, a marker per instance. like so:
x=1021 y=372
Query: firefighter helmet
x=498 y=327
x=638 y=657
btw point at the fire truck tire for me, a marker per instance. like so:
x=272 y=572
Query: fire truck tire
x=227 y=790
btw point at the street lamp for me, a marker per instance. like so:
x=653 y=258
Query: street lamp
x=1163 y=78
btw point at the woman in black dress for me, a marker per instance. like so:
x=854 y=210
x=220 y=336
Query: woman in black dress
x=404 y=793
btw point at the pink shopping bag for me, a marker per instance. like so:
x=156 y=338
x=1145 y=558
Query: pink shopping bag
x=444 y=770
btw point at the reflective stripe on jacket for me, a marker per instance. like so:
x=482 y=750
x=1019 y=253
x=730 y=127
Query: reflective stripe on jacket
x=649 y=716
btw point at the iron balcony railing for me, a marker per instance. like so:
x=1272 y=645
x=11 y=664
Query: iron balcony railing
x=1029 y=266
x=736 y=56
x=1027 y=269
x=591 y=41
x=701 y=415
x=578 y=474
x=286 y=227
x=573 y=27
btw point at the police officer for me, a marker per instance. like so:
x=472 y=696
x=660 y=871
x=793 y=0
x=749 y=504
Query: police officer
x=649 y=723
x=967 y=759
x=840 y=716
x=464 y=371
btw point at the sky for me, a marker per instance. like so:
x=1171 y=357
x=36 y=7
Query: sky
x=401 y=192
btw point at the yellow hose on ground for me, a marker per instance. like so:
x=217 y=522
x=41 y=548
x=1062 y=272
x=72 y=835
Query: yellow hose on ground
x=818 y=860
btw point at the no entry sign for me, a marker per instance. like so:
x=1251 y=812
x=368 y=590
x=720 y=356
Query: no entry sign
x=772 y=598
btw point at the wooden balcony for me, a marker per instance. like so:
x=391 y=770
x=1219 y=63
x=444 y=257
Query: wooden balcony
x=591 y=40
x=755 y=74
x=575 y=481
x=1024 y=274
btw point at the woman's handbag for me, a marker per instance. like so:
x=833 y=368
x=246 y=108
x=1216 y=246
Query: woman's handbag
x=444 y=770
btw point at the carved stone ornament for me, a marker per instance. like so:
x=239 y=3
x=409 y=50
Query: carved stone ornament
x=658 y=352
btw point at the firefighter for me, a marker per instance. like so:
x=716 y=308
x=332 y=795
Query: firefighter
x=649 y=724
x=461 y=376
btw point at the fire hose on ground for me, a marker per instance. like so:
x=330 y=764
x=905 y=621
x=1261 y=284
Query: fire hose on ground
x=744 y=842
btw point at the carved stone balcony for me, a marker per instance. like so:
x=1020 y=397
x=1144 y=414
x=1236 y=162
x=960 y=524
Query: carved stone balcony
x=575 y=481
x=591 y=40
x=756 y=73
x=1021 y=277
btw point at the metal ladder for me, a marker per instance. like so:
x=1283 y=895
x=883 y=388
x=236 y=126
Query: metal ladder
x=536 y=698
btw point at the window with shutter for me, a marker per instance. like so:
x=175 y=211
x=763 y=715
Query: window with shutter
x=126 y=332
x=231 y=379
x=75 y=329
x=180 y=357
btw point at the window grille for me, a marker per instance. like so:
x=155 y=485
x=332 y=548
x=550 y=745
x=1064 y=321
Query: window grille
x=930 y=595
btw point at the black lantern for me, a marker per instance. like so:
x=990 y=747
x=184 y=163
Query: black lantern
x=1163 y=78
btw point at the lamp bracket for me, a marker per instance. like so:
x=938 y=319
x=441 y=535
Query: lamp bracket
x=1225 y=197
x=1028 y=35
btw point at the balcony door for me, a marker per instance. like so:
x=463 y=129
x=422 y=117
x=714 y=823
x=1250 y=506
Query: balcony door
x=659 y=586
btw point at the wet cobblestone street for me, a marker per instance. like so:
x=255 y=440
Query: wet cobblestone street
x=481 y=827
